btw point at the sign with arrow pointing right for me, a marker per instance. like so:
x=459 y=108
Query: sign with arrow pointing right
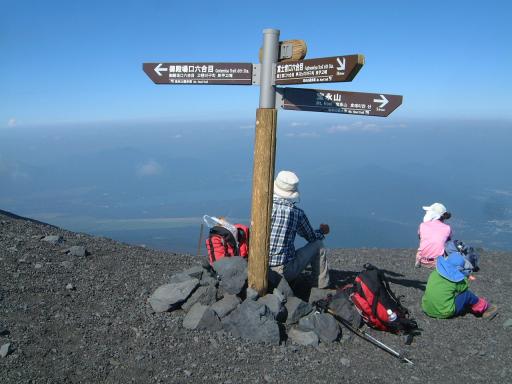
x=354 y=103
x=322 y=70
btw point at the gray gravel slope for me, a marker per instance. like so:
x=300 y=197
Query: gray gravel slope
x=102 y=330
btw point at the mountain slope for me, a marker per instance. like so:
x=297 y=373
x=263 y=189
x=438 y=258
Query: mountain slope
x=86 y=319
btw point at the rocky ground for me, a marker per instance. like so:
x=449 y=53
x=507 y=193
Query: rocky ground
x=67 y=317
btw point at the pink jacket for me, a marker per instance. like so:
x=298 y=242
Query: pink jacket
x=433 y=235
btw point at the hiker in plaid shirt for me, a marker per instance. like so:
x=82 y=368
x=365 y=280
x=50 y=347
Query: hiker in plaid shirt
x=288 y=221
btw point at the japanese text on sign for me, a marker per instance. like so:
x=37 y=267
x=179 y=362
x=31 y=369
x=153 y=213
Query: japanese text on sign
x=322 y=70
x=199 y=73
x=355 y=103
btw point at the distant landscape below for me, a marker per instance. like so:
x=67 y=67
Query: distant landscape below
x=150 y=183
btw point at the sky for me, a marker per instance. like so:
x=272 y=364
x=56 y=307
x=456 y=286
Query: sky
x=75 y=62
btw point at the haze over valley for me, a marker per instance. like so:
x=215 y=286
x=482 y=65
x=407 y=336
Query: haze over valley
x=150 y=183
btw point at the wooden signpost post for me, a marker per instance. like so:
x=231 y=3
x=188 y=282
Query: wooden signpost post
x=282 y=63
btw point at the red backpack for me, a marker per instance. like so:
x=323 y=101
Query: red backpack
x=221 y=242
x=377 y=304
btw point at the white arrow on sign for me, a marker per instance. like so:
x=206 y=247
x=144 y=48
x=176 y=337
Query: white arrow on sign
x=341 y=68
x=159 y=69
x=382 y=100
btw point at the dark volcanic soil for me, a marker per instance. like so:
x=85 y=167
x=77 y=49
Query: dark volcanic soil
x=103 y=330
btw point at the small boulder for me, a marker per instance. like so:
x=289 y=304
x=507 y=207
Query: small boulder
x=66 y=264
x=208 y=279
x=326 y=327
x=202 y=317
x=70 y=287
x=53 y=239
x=5 y=350
x=226 y=305
x=285 y=288
x=170 y=296
x=296 y=308
x=232 y=272
x=204 y=295
x=251 y=294
x=196 y=271
x=253 y=321
x=303 y=337
x=179 y=278
x=275 y=305
x=307 y=322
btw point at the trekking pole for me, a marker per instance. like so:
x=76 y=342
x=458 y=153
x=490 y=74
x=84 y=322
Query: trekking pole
x=370 y=338
x=364 y=335
x=200 y=241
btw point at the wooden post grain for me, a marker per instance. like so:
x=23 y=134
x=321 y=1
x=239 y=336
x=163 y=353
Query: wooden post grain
x=262 y=192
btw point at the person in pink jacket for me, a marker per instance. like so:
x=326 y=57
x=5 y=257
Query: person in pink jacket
x=433 y=233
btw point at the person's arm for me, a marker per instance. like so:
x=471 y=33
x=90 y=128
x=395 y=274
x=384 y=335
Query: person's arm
x=305 y=230
x=461 y=286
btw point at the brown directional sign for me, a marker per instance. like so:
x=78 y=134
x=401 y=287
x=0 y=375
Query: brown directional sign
x=354 y=103
x=199 y=73
x=323 y=70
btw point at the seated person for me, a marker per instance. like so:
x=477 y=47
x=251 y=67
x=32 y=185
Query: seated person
x=287 y=221
x=447 y=293
x=433 y=233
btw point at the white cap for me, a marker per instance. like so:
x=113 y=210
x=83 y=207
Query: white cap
x=434 y=212
x=437 y=208
x=286 y=185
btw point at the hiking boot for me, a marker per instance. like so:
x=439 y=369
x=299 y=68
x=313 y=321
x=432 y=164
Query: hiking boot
x=479 y=308
x=491 y=312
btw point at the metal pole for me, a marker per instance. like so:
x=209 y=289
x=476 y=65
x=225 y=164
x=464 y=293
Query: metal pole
x=263 y=169
x=270 y=55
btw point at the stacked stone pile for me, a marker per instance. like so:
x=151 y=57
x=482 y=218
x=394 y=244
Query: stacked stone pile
x=217 y=298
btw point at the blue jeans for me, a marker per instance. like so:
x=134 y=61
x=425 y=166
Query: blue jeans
x=312 y=253
x=463 y=301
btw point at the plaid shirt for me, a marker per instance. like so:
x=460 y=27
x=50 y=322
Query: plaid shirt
x=287 y=221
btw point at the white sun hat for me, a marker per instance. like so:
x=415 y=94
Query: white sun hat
x=434 y=211
x=286 y=185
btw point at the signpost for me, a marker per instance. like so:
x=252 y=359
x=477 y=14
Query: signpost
x=353 y=103
x=200 y=73
x=281 y=64
x=324 y=70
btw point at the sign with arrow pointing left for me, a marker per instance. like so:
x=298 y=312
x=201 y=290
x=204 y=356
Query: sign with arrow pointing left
x=354 y=103
x=199 y=73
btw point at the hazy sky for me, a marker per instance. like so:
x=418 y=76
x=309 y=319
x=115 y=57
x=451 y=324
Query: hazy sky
x=81 y=61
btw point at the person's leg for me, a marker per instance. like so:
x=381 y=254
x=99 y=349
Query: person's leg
x=320 y=268
x=312 y=253
x=483 y=308
x=417 y=263
x=303 y=256
x=465 y=302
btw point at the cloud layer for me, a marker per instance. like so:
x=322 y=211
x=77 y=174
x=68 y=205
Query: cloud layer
x=149 y=168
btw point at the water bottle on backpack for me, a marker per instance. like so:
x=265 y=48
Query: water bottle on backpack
x=391 y=315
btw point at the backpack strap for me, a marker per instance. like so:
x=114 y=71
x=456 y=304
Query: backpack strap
x=385 y=282
x=212 y=251
x=379 y=283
